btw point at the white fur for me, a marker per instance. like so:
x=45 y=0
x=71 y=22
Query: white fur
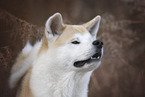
x=55 y=82
x=31 y=53
x=54 y=75
x=53 y=72
x=28 y=47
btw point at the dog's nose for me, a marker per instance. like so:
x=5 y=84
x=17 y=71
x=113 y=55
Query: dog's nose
x=98 y=43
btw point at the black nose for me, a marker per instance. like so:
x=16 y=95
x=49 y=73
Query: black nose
x=98 y=43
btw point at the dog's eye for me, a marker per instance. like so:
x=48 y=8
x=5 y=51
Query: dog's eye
x=75 y=42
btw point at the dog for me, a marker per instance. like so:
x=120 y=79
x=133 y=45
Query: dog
x=60 y=65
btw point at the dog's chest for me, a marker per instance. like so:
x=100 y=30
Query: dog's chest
x=45 y=84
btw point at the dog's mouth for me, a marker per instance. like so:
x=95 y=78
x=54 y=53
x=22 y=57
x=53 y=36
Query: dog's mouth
x=81 y=63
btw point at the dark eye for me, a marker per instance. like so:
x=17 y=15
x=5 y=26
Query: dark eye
x=75 y=42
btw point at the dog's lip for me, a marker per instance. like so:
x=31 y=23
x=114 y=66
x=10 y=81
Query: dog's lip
x=95 y=57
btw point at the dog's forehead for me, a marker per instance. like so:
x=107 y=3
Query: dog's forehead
x=73 y=29
x=70 y=32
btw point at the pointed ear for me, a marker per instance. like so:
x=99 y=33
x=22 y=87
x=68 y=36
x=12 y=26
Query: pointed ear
x=54 y=24
x=93 y=25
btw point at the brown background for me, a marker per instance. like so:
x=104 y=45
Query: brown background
x=122 y=29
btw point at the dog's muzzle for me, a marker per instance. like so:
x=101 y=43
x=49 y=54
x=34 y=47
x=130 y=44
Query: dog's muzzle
x=97 y=56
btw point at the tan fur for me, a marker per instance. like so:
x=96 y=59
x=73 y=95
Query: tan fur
x=44 y=46
x=26 y=91
x=64 y=27
x=68 y=32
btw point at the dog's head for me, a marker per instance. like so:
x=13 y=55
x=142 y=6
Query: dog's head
x=74 y=47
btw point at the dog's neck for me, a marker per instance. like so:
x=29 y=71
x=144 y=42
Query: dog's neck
x=46 y=82
x=73 y=84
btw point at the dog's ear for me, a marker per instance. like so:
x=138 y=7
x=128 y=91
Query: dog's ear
x=54 y=24
x=93 y=25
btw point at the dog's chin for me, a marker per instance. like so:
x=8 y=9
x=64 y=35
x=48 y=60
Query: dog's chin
x=96 y=57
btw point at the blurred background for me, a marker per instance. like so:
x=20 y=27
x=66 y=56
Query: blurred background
x=122 y=29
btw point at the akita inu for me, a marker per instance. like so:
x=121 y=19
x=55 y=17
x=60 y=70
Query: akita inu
x=61 y=64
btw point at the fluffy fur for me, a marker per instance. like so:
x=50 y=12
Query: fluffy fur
x=48 y=67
